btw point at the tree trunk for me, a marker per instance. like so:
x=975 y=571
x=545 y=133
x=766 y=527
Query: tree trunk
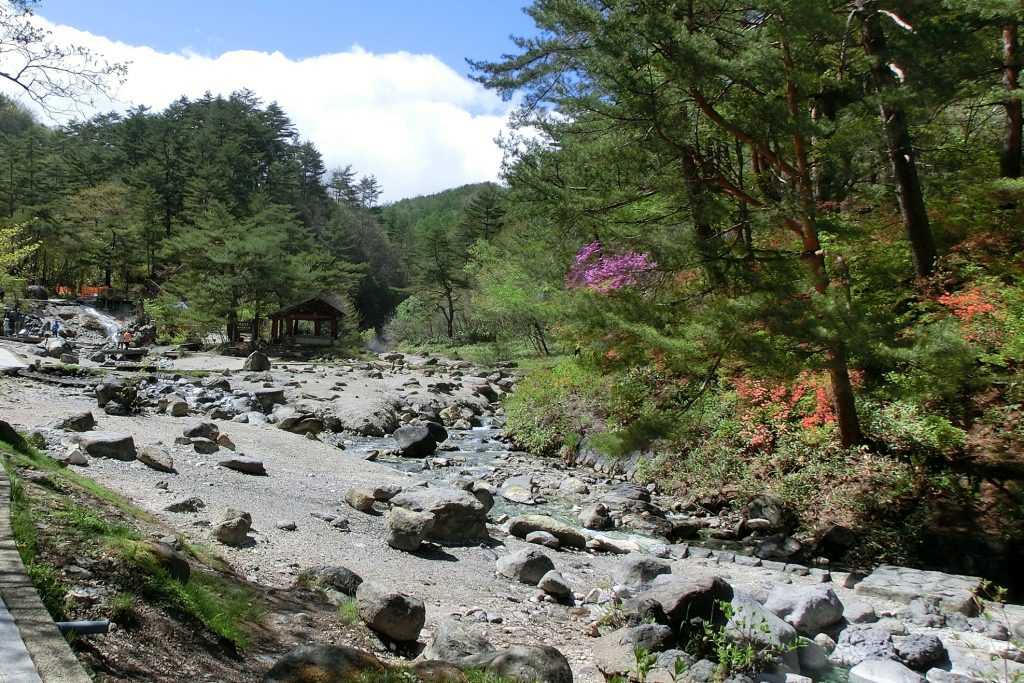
x=702 y=228
x=1010 y=156
x=900 y=146
x=835 y=355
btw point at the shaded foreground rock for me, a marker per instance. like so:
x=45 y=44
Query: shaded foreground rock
x=453 y=640
x=525 y=663
x=318 y=663
x=390 y=613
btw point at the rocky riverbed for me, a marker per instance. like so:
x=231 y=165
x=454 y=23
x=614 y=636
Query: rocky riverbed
x=394 y=468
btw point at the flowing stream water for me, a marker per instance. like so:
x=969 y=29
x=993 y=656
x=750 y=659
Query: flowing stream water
x=110 y=326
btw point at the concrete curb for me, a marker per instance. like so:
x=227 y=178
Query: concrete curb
x=51 y=654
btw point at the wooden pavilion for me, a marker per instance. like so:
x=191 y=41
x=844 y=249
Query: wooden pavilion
x=309 y=321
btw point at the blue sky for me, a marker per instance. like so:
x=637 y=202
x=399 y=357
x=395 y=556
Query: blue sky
x=452 y=30
x=382 y=86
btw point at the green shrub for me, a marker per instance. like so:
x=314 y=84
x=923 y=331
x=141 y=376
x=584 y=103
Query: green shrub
x=552 y=403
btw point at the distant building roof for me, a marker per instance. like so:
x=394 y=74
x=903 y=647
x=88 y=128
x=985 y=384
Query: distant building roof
x=325 y=304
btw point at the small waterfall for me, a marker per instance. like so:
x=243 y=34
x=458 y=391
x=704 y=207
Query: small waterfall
x=110 y=326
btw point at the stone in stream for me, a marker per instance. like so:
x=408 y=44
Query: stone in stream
x=390 y=613
x=156 y=458
x=324 y=663
x=567 y=536
x=102 y=444
x=524 y=663
x=861 y=643
x=519 y=489
x=683 y=599
x=245 y=464
x=596 y=517
x=920 y=650
x=773 y=509
x=458 y=516
x=528 y=565
x=415 y=442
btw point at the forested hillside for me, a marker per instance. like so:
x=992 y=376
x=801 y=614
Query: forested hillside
x=784 y=239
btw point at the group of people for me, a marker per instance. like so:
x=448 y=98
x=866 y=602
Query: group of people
x=125 y=340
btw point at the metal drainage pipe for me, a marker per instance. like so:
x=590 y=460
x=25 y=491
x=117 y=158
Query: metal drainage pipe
x=84 y=628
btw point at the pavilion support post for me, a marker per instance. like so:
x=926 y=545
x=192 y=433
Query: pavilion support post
x=316 y=327
x=334 y=328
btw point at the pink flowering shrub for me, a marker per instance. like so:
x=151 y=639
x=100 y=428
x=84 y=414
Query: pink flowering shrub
x=593 y=269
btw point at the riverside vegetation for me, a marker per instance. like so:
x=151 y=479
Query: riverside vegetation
x=742 y=248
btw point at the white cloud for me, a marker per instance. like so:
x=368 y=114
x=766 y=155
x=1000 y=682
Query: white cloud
x=411 y=120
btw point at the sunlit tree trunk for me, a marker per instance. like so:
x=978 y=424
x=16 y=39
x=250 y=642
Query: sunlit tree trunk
x=1010 y=156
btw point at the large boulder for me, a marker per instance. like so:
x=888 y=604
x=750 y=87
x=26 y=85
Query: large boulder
x=858 y=644
x=233 y=527
x=116 y=389
x=257 y=362
x=523 y=663
x=202 y=430
x=368 y=418
x=103 y=444
x=79 y=422
x=340 y=579
x=614 y=652
x=317 y=663
x=684 y=599
x=415 y=441
x=637 y=572
x=174 y=562
x=268 y=397
x=528 y=565
x=405 y=529
x=519 y=489
x=566 y=535
x=453 y=640
x=774 y=509
x=808 y=609
x=156 y=458
x=244 y=464
x=458 y=516
x=752 y=623
x=390 y=613
x=53 y=347
x=883 y=671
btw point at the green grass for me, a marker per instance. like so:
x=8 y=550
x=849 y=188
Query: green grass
x=348 y=612
x=226 y=607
